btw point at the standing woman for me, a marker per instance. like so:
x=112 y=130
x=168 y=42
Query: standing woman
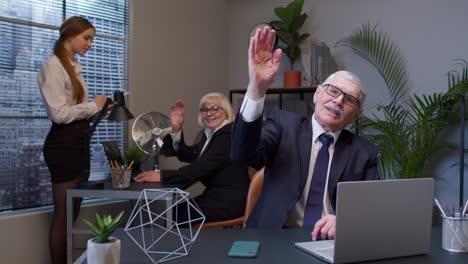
x=66 y=148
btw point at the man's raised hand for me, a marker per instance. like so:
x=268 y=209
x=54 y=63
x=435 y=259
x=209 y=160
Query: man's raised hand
x=263 y=62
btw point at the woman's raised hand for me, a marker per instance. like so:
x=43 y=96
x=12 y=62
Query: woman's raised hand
x=177 y=116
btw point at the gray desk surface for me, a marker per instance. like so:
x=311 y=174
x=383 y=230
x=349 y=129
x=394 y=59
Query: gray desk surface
x=276 y=246
x=104 y=190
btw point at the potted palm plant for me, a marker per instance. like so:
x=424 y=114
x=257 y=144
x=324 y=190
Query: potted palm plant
x=287 y=30
x=104 y=249
x=407 y=128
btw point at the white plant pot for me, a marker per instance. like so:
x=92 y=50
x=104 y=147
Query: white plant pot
x=103 y=253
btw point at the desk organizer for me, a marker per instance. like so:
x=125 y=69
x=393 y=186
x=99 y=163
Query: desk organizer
x=455 y=233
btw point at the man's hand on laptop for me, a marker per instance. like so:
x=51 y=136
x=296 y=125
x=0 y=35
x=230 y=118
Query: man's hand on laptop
x=324 y=228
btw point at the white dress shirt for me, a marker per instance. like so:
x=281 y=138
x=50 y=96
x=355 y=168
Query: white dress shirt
x=56 y=89
x=251 y=110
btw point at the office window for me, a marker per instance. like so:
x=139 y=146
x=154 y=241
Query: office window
x=28 y=30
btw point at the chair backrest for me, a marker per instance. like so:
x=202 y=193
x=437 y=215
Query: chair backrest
x=255 y=189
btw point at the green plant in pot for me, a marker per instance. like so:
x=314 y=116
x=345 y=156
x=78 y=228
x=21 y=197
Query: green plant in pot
x=133 y=156
x=406 y=130
x=287 y=30
x=104 y=248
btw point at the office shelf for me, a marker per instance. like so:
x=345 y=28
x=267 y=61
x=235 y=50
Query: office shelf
x=279 y=91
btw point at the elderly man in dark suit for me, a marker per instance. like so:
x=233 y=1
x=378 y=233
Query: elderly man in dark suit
x=304 y=157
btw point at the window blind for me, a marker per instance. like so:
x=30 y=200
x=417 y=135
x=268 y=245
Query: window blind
x=28 y=30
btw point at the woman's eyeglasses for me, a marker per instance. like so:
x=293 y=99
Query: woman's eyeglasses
x=213 y=110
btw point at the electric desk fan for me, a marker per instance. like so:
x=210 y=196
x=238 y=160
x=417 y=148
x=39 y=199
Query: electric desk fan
x=148 y=132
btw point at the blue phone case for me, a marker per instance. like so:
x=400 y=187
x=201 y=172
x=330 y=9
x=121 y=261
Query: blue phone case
x=244 y=249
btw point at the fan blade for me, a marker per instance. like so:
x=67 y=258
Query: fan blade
x=148 y=131
x=161 y=132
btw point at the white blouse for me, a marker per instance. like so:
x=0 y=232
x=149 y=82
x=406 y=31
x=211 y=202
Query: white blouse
x=56 y=89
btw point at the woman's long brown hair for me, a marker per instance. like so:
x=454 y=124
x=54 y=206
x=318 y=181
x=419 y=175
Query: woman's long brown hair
x=71 y=27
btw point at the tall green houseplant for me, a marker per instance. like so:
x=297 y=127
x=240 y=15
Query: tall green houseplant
x=287 y=29
x=406 y=129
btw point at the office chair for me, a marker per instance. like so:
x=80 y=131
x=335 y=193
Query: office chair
x=255 y=188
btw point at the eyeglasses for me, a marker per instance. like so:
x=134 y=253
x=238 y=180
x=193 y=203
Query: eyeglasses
x=213 y=110
x=347 y=98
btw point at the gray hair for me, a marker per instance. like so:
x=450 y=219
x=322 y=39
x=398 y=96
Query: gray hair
x=349 y=76
x=225 y=104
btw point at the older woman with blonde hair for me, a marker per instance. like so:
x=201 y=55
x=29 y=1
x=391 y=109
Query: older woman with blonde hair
x=226 y=181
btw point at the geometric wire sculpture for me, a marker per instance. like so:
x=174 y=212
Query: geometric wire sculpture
x=154 y=229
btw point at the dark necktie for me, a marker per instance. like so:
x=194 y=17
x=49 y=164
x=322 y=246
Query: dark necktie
x=314 y=206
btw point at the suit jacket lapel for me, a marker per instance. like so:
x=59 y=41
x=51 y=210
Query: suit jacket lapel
x=200 y=145
x=226 y=127
x=340 y=159
x=305 y=143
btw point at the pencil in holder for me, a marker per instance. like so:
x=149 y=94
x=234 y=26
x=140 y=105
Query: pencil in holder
x=121 y=178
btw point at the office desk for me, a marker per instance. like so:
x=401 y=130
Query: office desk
x=276 y=246
x=106 y=191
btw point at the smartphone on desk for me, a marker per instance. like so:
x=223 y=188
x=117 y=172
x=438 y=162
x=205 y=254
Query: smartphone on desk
x=244 y=249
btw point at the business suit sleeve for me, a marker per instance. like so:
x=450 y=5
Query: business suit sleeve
x=167 y=148
x=215 y=158
x=253 y=144
x=185 y=153
x=372 y=172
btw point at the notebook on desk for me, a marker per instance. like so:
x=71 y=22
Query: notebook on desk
x=378 y=220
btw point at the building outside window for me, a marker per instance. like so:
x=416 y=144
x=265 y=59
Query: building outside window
x=28 y=30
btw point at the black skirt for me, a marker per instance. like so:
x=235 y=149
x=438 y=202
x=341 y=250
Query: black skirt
x=67 y=152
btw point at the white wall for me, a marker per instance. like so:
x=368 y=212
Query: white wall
x=177 y=50
x=28 y=231
x=430 y=34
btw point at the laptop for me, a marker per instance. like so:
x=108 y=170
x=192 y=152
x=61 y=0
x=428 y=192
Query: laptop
x=378 y=220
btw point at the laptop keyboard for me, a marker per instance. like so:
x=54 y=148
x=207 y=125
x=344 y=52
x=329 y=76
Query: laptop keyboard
x=326 y=252
x=324 y=249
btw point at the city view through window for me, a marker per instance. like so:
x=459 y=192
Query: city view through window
x=28 y=30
